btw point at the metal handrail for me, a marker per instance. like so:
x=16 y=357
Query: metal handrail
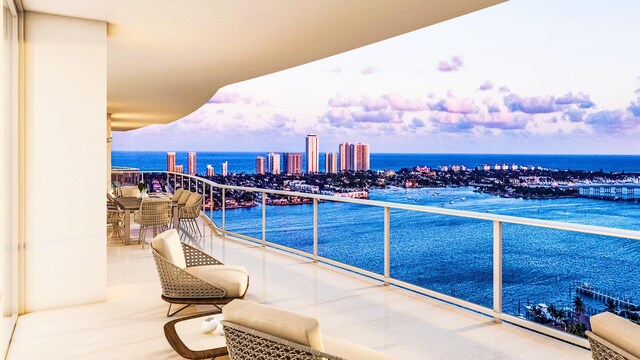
x=497 y=221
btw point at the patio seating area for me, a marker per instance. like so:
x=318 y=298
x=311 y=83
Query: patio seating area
x=398 y=323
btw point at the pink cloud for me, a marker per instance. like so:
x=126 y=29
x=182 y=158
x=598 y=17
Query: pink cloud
x=454 y=64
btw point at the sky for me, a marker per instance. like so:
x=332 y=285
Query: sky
x=522 y=77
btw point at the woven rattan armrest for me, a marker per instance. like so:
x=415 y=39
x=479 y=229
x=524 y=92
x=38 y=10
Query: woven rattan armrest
x=245 y=343
x=177 y=283
x=601 y=349
x=195 y=257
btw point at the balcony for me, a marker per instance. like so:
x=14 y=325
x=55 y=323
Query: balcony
x=401 y=323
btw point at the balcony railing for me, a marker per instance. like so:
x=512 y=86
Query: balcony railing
x=207 y=188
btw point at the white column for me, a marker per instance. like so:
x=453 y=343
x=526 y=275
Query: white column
x=65 y=161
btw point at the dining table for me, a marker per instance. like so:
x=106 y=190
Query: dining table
x=131 y=204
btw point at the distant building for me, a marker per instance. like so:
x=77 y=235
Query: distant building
x=359 y=157
x=210 y=171
x=444 y=168
x=331 y=163
x=260 y=165
x=292 y=163
x=273 y=163
x=171 y=161
x=344 y=152
x=497 y=167
x=313 y=157
x=505 y=167
x=225 y=168
x=514 y=167
x=192 y=163
x=179 y=169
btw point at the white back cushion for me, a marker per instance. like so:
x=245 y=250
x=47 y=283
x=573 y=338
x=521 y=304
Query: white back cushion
x=168 y=245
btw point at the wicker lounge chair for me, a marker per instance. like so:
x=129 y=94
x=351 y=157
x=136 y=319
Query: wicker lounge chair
x=191 y=277
x=176 y=195
x=190 y=212
x=255 y=331
x=154 y=213
x=614 y=338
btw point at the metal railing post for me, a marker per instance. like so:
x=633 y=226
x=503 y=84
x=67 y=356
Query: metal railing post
x=497 y=270
x=315 y=230
x=211 y=202
x=264 y=219
x=387 y=245
x=224 y=206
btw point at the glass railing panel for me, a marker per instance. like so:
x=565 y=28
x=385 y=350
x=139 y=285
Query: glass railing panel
x=561 y=279
x=451 y=255
x=290 y=222
x=352 y=234
x=243 y=213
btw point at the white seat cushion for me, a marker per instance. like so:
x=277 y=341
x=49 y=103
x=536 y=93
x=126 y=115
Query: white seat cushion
x=168 y=245
x=618 y=331
x=232 y=278
x=130 y=191
x=290 y=326
x=351 y=351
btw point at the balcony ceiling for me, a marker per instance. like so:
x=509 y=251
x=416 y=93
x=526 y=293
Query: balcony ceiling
x=166 y=58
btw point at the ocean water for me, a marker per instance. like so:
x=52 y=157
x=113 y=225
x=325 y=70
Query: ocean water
x=454 y=255
x=245 y=161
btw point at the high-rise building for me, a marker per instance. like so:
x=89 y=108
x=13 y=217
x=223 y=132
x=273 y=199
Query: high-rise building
x=293 y=163
x=344 y=151
x=331 y=163
x=273 y=163
x=179 y=169
x=171 y=161
x=210 y=171
x=192 y=163
x=361 y=157
x=260 y=165
x=313 y=157
x=225 y=168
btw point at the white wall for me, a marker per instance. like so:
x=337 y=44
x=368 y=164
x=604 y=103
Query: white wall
x=65 y=161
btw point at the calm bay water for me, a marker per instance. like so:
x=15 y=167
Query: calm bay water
x=454 y=255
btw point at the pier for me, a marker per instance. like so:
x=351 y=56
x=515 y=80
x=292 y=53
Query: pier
x=585 y=289
x=621 y=192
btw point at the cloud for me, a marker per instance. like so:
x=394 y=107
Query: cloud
x=455 y=105
x=335 y=70
x=384 y=116
x=365 y=102
x=634 y=108
x=370 y=70
x=224 y=97
x=530 y=105
x=487 y=85
x=416 y=123
x=454 y=64
x=397 y=102
x=575 y=115
x=504 y=89
x=613 y=121
x=582 y=100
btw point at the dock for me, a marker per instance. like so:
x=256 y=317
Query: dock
x=586 y=289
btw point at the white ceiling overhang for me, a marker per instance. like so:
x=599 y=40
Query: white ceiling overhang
x=166 y=58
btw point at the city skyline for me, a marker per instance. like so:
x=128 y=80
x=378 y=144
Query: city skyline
x=534 y=82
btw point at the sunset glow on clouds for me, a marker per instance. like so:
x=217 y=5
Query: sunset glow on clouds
x=514 y=78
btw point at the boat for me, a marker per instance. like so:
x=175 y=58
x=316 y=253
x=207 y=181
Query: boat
x=441 y=204
x=451 y=202
x=463 y=199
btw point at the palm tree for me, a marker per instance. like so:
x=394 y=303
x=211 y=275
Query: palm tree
x=610 y=306
x=578 y=305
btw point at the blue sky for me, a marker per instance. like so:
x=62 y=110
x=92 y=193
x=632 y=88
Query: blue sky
x=526 y=76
